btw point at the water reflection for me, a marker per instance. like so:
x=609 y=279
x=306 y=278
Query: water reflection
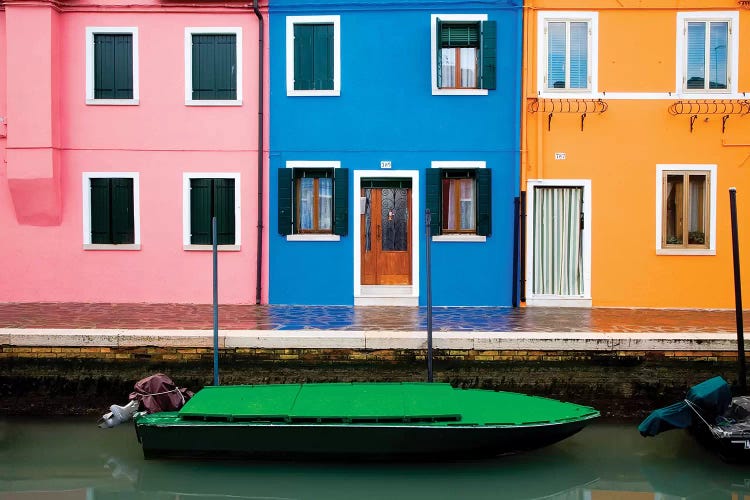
x=75 y=459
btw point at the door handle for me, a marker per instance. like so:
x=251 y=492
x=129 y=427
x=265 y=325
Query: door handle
x=378 y=232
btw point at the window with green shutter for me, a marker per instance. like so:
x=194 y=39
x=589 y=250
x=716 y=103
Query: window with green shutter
x=466 y=54
x=313 y=56
x=112 y=211
x=214 y=66
x=113 y=66
x=313 y=201
x=459 y=200
x=212 y=198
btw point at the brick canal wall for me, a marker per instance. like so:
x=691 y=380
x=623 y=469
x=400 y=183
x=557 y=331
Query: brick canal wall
x=621 y=384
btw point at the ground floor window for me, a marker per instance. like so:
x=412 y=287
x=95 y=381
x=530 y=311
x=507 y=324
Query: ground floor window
x=313 y=199
x=110 y=209
x=459 y=200
x=207 y=196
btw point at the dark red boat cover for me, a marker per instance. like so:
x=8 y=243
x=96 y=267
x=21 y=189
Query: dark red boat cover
x=158 y=393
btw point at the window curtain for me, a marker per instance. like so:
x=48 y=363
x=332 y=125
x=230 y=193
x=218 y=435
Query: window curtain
x=468 y=67
x=463 y=190
x=326 y=203
x=306 y=203
x=558 y=252
x=448 y=68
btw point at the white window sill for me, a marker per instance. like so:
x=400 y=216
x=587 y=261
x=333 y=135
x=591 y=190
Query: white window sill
x=101 y=246
x=437 y=91
x=685 y=251
x=460 y=238
x=313 y=93
x=569 y=94
x=112 y=102
x=216 y=102
x=209 y=248
x=313 y=237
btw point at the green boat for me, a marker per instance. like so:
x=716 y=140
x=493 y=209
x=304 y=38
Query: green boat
x=357 y=420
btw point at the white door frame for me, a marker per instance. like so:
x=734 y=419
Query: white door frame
x=547 y=300
x=416 y=223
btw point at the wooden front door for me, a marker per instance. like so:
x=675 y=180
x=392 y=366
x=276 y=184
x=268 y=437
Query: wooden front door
x=386 y=236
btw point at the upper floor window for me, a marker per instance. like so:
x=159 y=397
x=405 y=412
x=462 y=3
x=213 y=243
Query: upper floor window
x=686 y=197
x=707 y=52
x=568 y=52
x=313 y=55
x=111 y=65
x=213 y=66
x=464 y=54
x=111 y=217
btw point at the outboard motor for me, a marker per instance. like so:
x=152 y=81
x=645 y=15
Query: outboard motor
x=118 y=414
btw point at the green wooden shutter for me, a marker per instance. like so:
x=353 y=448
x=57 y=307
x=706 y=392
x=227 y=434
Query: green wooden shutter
x=214 y=67
x=438 y=55
x=100 y=211
x=459 y=35
x=223 y=205
x=433 y=178
x=303 y=57
x=323 y=57
x=123 y=227
x=341 y=201
x=285 y=197
x=113 y=66
x=200 y=211
x=484 y=201
x=488 y=78
x=225 y=66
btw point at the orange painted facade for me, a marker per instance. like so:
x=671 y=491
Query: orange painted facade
x=626 y=133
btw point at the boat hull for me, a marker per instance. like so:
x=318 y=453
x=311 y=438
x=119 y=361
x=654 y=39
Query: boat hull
x=353 y=441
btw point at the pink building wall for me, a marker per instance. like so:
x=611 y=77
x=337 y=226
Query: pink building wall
x=54 y=136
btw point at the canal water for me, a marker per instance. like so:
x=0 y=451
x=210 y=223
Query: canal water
x=73 y=459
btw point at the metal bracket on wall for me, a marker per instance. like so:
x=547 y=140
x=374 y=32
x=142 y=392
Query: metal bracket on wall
x=578 y=106
x=725 y=107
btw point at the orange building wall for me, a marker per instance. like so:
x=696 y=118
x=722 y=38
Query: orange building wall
x=619 y=150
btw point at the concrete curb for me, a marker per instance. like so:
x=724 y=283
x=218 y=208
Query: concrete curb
x=372 y=340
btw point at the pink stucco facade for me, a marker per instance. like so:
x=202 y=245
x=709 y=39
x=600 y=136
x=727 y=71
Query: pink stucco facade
x=50 y=137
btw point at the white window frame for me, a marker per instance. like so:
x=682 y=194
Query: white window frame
x=290 y=22
x=733 y=50
x=86 y=210
x=186 y=176
x=433 y=52
x=543 y=19
x=119 y=30
x=463 y=165
x=711 y=169
x=309 y=165
x=189 y=32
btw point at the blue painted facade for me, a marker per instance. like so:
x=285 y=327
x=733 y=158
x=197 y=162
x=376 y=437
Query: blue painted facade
x=386 y=111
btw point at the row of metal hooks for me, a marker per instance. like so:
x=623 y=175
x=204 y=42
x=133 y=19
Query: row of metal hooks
x=582 y=106
x=710 y=107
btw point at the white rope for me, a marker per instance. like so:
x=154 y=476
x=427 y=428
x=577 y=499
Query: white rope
x=692 y=407
x=167 y=392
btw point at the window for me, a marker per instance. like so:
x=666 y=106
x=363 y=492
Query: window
x=213 y=66
x=707 y=52
x=208 y=196
x=568 y=52
x=313 y=200
x=464 y=54
x=459 y=198
x=313 y=55
x=111 y=65
x=686 y=197
x=110 y=211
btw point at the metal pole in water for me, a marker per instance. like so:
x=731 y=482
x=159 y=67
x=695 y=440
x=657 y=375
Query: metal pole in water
x=216 y=301
x=738 y=291
x=428 y=233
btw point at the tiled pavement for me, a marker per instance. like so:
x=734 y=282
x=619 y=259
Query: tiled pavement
x=367 y=327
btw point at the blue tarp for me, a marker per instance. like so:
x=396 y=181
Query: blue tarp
x=712 y=397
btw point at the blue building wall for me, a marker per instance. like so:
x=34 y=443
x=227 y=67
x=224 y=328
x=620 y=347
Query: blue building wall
x=386 y=111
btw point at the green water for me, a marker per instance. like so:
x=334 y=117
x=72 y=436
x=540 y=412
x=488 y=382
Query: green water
x=72 y=458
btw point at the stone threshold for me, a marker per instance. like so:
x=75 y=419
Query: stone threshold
x=372 y=340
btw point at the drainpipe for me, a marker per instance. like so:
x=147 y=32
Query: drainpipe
x=259 y=252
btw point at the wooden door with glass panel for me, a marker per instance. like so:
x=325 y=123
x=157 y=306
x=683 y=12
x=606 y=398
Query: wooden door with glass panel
x=386 y=232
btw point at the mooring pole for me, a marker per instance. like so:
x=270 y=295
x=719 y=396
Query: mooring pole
x=216 y=300
x=738 y=291
x=428 y=233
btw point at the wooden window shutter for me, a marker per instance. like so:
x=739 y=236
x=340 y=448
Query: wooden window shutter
x=285 y=197
x=323 y=57
x=489 y=55
x=200 y=211
x=214 y=67
x=341 y=201
x=303 y=57
x=484 y=201
x=433 y=198
x=224 y=211
x=100 y=212
x=122 y=211
x=113 y=66
x=438 y=55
